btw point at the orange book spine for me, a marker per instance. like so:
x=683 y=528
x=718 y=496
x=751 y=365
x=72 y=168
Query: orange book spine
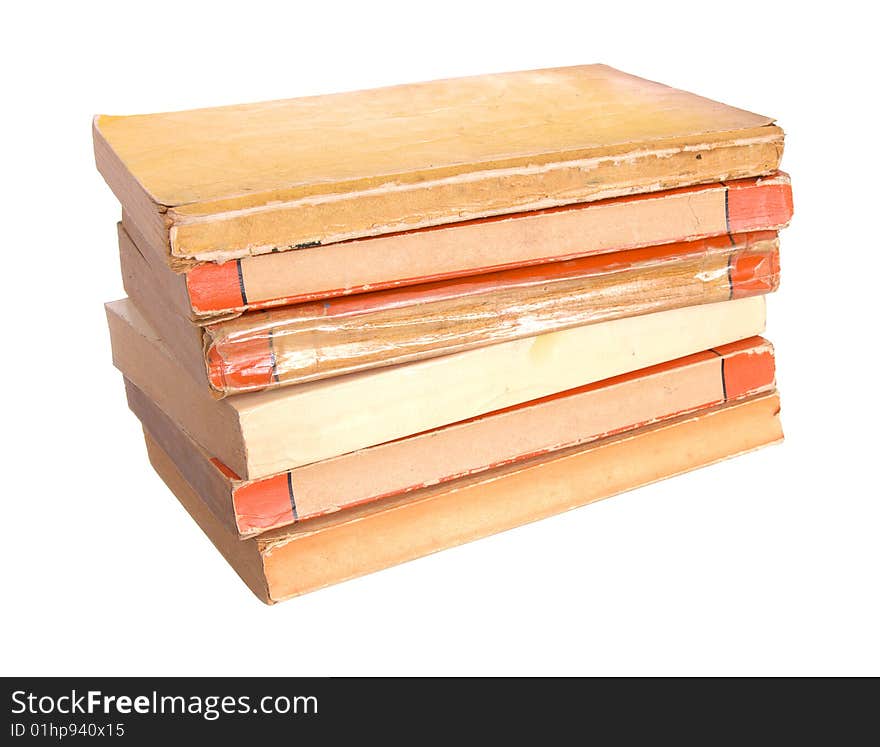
x=685 y=385
x=489 y=244
x=311 y=341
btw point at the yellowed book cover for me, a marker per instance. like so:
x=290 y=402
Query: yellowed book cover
x=233 y=181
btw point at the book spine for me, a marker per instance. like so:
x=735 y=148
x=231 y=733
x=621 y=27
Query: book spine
x=308 y=342
x=568 y=419
x=486 y=245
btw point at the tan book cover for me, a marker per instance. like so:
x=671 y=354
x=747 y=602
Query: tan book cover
x=234 y=181
x=264 y=433
x=333 y=548
x=560 y=421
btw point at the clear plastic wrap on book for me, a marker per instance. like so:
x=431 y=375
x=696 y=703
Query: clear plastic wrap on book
x=310 y=341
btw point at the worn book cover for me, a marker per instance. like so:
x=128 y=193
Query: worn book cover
x=235 y=181
x=212 y=289
x=279 y=347
x=312 y=341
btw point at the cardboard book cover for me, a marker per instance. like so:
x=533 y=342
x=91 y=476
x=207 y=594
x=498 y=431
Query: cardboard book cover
x=234 y=181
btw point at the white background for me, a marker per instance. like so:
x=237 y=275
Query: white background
x=764 y=565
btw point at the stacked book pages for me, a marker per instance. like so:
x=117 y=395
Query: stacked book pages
x=367 y=326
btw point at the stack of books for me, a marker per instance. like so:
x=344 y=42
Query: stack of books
x=367 y=326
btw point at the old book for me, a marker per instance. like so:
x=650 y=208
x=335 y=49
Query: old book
x=307 y=342
x=333 y=548
x=209 y=289
x=560 y=421
x=263 y=433
x=311 y=341
x=234 y=181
